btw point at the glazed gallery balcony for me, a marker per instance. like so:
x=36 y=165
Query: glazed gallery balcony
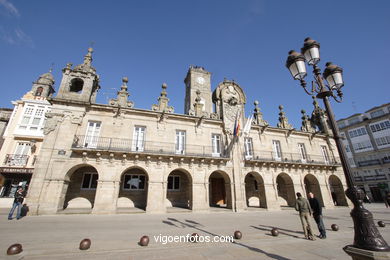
x=291 y=158
x=88 y=143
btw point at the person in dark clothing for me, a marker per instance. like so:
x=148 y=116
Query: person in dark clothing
x=19 y=197
x=317 y=214
x=303 y=207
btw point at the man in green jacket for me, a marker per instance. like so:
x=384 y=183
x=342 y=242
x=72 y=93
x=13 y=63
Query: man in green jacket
x=303 y=206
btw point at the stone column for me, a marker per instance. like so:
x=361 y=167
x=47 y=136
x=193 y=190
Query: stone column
x=199 y=197
x=236 y=179
x=105 y=197
x=271 y=197
x=50 y=198
x=156 y=197
x=326 y=196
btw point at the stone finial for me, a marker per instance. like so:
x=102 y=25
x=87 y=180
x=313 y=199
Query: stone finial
x=283 y=121
x=123 y=95
x=307 y=125
x=198 y=106
x=88 y=57
x=319 y=118
x=258 y=116
x=163 y=100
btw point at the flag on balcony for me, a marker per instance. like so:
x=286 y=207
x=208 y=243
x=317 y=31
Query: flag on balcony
x=236 y=130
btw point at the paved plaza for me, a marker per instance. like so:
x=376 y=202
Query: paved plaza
x=117 y=236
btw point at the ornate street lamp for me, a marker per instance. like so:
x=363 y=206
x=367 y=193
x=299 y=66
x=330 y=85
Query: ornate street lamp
x=367 y=236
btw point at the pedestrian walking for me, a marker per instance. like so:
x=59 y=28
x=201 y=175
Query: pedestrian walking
x=18 y=200
x=317 y=214
x=303 y=207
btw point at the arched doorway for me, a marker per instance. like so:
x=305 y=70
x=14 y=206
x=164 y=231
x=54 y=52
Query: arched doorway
x=179 y=189
x=312 y=185
x=219 y=190
x=255 y=191
x=337 y=191
x=81 y=182
x=286 y=190
x=133 y=190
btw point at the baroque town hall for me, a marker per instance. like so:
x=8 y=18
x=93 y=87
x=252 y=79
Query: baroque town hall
x=115 y=158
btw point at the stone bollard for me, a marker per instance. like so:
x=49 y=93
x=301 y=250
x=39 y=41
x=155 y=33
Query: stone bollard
x=335 y=227
x=275 y=232
x=381 y=223
x=14 y=249
x=85 y=244
x=144 y=241
x=237 y=234
x=194 y=238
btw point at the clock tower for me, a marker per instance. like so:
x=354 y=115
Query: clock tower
x=198 y=79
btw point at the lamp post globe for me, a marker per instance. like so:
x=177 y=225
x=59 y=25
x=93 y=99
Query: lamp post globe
x=296 y=65
x=333 y=75
x=311 y=51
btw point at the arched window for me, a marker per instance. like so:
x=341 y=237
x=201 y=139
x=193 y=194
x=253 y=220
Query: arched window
x=76 y=85
x=38 y=92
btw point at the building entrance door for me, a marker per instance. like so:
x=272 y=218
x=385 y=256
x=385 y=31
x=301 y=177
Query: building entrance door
x=218 y=193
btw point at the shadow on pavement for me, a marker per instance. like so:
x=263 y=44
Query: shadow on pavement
x=280 y=232
x=195 y=225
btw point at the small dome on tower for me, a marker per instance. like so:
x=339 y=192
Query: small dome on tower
x=46 y=79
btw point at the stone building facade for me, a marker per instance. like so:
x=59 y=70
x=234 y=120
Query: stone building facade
x=367 y=142
x=113 y=158
x=5 y=115
x=23 y=137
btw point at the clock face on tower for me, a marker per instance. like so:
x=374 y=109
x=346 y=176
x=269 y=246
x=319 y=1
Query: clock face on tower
x=200 y=80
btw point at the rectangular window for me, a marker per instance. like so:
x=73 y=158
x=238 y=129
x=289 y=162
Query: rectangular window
x=347 y=148
x=357 y=132
x=377 y=113
x=174 y=183
x=385 y=140
x=325 y=154
x=248 y=148
x=362 y=146
x=138 y=138
x=302 y=152
x=380 y=126
x=277 y=150
x=180 y=142
x=89 y=181
x=20 y=156
x=134 y=182
x=216 y=143
x=92 y=134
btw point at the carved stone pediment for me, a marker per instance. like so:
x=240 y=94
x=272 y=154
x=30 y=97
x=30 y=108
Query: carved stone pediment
x=231 y=100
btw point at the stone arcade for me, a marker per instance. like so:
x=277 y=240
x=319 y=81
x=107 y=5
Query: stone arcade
x=116 y=158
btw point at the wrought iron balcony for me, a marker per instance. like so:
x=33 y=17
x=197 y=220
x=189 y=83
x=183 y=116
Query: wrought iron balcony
x=82 y=142
x=16 y=160
x=289 y=158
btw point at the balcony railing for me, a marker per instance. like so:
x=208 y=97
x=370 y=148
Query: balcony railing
x=147 y=147
x=289 y=157
x=16 y=160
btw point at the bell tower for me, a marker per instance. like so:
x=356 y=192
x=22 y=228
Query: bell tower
x=43 y=87
x=80 y=83
x=198 y=79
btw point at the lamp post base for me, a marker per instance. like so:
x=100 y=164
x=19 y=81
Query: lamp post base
x=362 y=254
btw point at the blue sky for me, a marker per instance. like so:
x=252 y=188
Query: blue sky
x=152 y=42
